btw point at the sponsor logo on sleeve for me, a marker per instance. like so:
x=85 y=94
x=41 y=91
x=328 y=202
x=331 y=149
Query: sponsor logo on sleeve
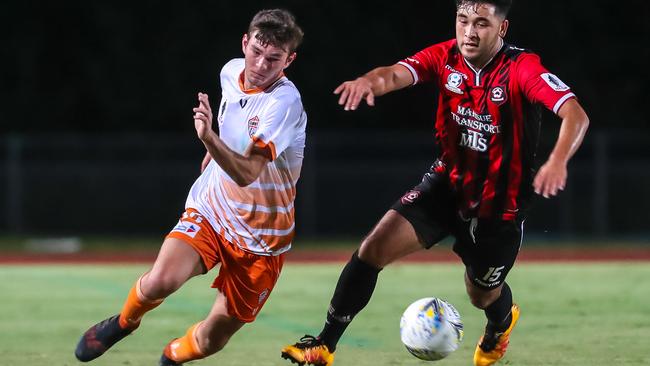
x=554 y=82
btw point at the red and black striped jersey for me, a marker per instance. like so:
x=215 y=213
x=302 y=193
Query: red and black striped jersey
x=488 y=122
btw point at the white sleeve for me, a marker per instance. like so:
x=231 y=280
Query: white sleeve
x=280 y=123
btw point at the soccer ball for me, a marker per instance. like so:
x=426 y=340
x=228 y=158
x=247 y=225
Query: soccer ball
x=431 y=329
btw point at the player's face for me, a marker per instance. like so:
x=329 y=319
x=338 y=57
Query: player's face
x=264 y=62
x=479 y=31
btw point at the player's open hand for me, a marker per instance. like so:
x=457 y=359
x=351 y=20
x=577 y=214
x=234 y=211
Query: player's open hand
x=550 y=179
x=353 y=91
x=203 y=117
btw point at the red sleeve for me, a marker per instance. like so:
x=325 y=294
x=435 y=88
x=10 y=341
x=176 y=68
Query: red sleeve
x=539 y=85
x=426 y=64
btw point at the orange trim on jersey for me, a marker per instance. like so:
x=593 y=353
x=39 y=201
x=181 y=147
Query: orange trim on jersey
x=273 y=242
x=254 y=90
x=222 y=213
x=278 y=241
x=269 y=220
x=264 y=197
x=262 y=145
x=281 y=177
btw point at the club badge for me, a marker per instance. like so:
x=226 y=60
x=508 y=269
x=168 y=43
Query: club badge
x=498 y=95
x=253 y=124
x=410 y=197
x=454 y=80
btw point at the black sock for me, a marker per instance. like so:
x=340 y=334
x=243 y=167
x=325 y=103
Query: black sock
x=499 y=312
x=353 y=291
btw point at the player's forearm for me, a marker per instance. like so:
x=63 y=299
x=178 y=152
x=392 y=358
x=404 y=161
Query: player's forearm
x=234 y=164
x=572 y=132
x=382 y=80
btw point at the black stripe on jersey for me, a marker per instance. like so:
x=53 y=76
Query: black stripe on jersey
x=484 y=162
x=460 y=154
x=480 y=177
x=455 y=151
x=512 y=52
x=532 y=126
x=501 y=185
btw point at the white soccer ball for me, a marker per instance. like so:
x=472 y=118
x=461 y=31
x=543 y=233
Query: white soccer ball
x=431 y=329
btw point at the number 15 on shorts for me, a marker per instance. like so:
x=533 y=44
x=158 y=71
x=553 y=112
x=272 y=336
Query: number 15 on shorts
x=493 y=274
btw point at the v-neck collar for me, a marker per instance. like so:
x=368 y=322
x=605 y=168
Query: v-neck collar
x=255 y=90
x=477 y=73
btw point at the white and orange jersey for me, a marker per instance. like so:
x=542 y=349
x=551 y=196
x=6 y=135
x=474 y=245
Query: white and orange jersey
x=259 y=218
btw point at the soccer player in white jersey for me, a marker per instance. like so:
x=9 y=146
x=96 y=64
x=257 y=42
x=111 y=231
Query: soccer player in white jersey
x=240 y=211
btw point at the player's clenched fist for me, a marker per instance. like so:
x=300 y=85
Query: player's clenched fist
x=353 y=91
x=203 y=117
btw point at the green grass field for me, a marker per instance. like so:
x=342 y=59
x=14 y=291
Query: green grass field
x=572 y=314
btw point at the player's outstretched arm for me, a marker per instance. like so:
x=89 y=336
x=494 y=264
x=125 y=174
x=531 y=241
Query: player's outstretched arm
x=243 y=169
x=553 y=174
x=377 y=82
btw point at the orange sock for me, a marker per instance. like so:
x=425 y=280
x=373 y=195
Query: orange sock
x=185 y=348
x=135 y=306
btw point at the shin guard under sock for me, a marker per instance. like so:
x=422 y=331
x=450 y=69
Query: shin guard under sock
x=185 y=348
x=353 y=291
x=135 y=306
x=499 y=312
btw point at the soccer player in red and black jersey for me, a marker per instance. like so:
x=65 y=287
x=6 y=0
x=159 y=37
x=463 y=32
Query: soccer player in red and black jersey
x=479 y=189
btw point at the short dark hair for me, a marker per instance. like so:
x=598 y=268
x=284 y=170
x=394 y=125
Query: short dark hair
x=276 y=27
x=502 y=6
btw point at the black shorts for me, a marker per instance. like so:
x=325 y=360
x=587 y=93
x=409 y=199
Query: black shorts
x=487 y=247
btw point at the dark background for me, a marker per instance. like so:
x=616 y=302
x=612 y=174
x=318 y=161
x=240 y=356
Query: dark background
x=123 y=66
x=78 y=78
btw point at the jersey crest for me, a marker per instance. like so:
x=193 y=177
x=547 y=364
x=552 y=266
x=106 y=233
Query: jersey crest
x=253 y=124
x=498 y=95
x=454 y=80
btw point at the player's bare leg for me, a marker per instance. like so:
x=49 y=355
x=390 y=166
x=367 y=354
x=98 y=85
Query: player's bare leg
x=176 y=263
x=479 y=297
x=497 y=303
x=391 y=239
x=204 y=338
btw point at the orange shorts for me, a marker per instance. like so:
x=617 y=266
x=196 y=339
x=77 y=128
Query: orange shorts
x=245 y=279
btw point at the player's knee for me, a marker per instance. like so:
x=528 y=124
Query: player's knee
x=371 y=252
x=159 y=285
